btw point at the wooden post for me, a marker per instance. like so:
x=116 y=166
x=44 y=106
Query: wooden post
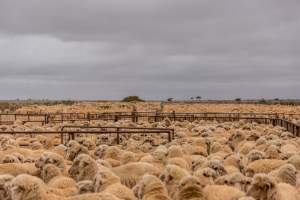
x=118 y=136
x=174 y=115
x=88 y=116
x=62 y=138
x=116 y=117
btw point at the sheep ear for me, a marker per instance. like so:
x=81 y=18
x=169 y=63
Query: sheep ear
x=268 y=186
x=141 y=191
x=162 y=177
x=84 y=163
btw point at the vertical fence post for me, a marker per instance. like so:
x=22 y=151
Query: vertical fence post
x=116 y=117
x=88 y=116
x=62 y=138
x=118 y=136
x=155 y=117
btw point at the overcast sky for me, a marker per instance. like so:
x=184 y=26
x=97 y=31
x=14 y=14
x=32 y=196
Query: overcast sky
x=108 y=49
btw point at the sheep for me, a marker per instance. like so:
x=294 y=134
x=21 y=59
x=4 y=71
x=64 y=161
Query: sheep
x=285 y=174
x=295 y=160
x=272 y=152
x=60 y=150
x=10 y=159
x=206 y=175
x=128 y=157
x=74 y=150
x=189 y=188
x=179 y=162
x=88 y=143
x=106 y=181
x=255 y=155
x=150 y=188
x=265 y=187
x=171 y=176
x=26 y=187
x=54 y=178
x=216 y=165
x=222 y=192
x=112 y=152
x=18 y=168
x=4 y=189
x=198 y=163
x=84 y=187
x=175 y=151
x=263 y=166
x=131 y=173
x=236 y=180
x=103 y=163
x=51 y=158
x=83 y=168
x=100 y=151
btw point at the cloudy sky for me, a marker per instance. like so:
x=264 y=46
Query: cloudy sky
x=108 y=49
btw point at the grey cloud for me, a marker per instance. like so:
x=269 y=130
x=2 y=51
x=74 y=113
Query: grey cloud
x=158 y=48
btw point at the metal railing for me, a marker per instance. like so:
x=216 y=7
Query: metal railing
x=67 y=135
x=276 y=119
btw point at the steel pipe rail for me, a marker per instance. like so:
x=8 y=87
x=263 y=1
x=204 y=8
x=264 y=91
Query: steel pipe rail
x=71 y=134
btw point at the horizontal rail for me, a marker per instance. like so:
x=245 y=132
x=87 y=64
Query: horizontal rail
x=118 y=131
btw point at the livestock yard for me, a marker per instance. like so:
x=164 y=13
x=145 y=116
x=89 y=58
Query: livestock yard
x=150 y=151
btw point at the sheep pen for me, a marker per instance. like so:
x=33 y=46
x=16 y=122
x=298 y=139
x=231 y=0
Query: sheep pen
x=141 y=156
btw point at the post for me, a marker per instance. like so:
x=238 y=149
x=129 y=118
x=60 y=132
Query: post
x=46 y=118
x=88 y=116
x=133 y=117
x=116 y=118
x=72 y=136
x=62 y=138
x=118 y=136
x=174 y=115
x=273 y=122
x=155 y=117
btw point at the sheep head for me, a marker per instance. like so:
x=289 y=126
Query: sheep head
x=85 y=187
x=189 y=188
x=149 y=184
x=103 y=179
x=50 y=158
x=84 y=168
x=76 y=150
x=261 y=186
x=49 y=171
x=173 y=174
x=4 y=186
x=26 y=187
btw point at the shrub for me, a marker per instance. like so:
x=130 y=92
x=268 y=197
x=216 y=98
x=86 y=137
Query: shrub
x=132 y=98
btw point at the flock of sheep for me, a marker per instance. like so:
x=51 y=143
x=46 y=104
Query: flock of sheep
x=205 y=161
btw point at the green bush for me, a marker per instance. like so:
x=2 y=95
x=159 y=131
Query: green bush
x=132 y=98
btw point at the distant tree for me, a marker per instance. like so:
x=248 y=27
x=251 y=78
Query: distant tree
x=238 y=99
x=263 y=101
x=170 y=99
x=132 y=98
x=198 y=97
x=276 y=99
x=192 y=98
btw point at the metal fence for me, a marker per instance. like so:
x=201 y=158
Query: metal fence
x=68 y=133
x=276 y=119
